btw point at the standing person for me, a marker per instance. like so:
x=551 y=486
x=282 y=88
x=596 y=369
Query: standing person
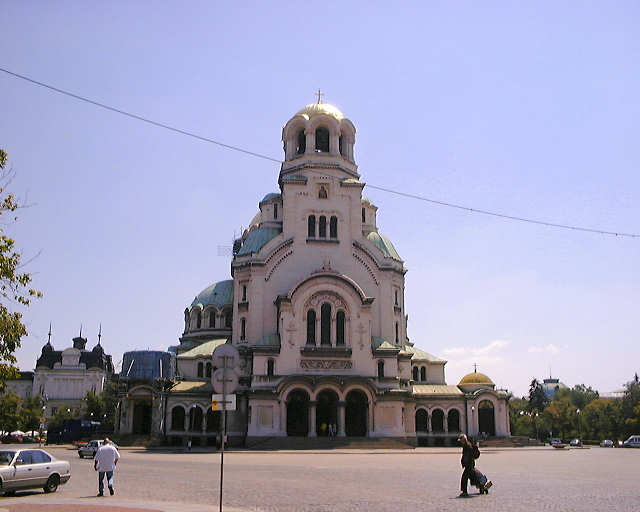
x=189 y=444
x=468 y=463
x=105 y=462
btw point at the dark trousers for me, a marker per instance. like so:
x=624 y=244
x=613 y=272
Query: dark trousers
x=101 y=480
x=467 y=475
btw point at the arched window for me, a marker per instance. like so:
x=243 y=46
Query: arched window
x=177 y=418
x=208 y=371
x=322 y=140
x=275 y=211
x=364 y=218
x=322 y=227
x=311 y=226
x=200 y=369
x=423 y=374
x=212 y=319
x=325 y=324
x=301 y=142
x=340 y=146
x=244 y=293
x=198 y=320
x=228 y=318
x=380 y=369
x=195 y=419
x=422 y=420
x=311 y=327
x=415 y=373
x=333 y=227
x=396 y=298
x=270 y=366
x=340 y=328
x=243 y=328
x=322 y=193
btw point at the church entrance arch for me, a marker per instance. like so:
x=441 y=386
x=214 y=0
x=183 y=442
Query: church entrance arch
x=142 y=418
x=298 y=413
x=486 y=418
x=326 y=411
x=437 y=420
x=422 y=421
x=356 y=411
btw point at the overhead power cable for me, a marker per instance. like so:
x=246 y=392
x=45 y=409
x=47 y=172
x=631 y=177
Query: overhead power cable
x=265 y=157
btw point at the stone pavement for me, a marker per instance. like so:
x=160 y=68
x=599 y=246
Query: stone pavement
x=540 y=479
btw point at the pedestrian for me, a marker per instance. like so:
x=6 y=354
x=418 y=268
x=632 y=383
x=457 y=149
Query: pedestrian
x=189 y=444
x=104 y=463
x=468 y=463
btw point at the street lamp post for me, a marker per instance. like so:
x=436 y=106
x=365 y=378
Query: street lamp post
x=579 y=424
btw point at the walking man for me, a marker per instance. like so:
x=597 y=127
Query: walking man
x=104 y=463
x=468 y=463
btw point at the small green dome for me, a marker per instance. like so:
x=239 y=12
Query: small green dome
x=219 y=294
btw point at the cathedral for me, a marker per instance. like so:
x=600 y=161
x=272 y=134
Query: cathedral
x=316 y=308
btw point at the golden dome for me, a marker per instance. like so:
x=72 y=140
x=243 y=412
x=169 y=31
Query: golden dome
x=476 y=378
x=314 y=109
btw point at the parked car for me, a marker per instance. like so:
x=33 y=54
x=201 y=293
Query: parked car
x=632 y=442
x=606 y=443
x=90 y=449
x=554 y=442
x=30 y=469
x=575 y=443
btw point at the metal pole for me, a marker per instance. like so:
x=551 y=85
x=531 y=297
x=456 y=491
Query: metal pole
x=223 y=420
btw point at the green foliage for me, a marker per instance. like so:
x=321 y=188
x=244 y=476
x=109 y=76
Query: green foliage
x=14 y=285
x=59 y=418
x=631 y=407
x=9 y=412
x=30 y=413
x=538 y=399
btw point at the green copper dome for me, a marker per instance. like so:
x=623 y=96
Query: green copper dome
x=219 y=294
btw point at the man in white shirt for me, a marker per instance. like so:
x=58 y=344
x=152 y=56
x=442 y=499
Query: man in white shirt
x=105 y=462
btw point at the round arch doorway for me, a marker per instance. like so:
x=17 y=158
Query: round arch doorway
x=486 y=418
x=356 y=411
x=142 y=417
x=326 y=411
x=298 y=413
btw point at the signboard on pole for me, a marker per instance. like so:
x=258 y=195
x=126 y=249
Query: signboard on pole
x=218 y=402
x=226 y=356
x=224 y=381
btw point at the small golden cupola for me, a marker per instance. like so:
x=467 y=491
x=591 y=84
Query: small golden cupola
x=319 y=133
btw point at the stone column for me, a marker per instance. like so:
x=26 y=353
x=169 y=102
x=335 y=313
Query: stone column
x=332 y=334
x=341 y=419
x=312 y=418
x=334 y=148
x=310 y=141
x=429 y=423
x=318 y=330
x=445 y=423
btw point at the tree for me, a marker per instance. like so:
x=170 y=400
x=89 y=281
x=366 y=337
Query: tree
x=9 y=412
x=631 y=407
x=582 y=395
x=14 y=285
x=538 y=399
x=59 y=418
x=30 y=413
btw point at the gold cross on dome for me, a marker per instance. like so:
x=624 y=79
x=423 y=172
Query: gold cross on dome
x=475 y=367
x=319 y=95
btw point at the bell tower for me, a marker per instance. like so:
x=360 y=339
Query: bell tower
x=319 y=136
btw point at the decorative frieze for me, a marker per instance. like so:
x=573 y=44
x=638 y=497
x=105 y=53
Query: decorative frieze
x=325 y=364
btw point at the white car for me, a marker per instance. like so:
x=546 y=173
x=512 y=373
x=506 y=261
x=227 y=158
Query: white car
x=30 y=469
x=632 y=442
x=90 y=449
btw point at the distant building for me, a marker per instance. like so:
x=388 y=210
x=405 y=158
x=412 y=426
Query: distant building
x=552 y=386
x=22 y=386
x=612 y=395
x=141 y=383
x=64 y=377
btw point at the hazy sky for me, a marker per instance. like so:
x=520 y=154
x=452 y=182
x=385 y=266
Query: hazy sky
x=530 y=110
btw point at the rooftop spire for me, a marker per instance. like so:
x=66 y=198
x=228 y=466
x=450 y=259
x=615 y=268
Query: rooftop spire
x=49 y=339
x=319 y=95
x=475 y=368
x=80 y=336
x=100 y=333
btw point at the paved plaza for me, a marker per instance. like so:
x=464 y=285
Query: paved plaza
x=597 y=479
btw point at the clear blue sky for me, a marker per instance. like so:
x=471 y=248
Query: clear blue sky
x=530 y=110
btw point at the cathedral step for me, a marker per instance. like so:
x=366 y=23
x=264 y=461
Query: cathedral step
x=326 y=443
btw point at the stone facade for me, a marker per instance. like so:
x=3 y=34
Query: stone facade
x=316 y=307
